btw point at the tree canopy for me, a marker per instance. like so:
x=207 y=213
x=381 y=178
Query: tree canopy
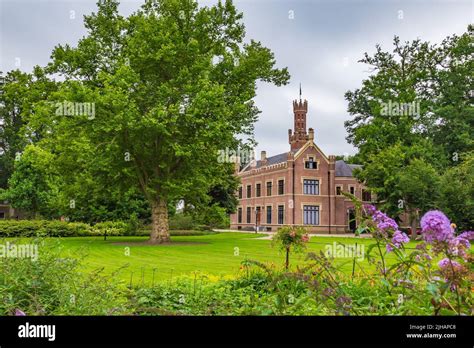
x=147 y=101
x=413 y=119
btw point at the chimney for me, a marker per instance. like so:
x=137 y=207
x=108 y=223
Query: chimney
x=253 y=160
x=263 y=156
x=237 y=164
x=311 y=134
x=332 y=162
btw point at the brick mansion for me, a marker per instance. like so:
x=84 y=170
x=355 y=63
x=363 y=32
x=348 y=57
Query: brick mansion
x=300 y=187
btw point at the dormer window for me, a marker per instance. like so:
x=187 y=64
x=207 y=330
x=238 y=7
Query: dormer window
x=311 y=164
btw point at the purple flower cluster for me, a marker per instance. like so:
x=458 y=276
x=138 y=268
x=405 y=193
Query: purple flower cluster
x=328 y=292
x=437 y=230
x=385 y=227
x=424 y=253
x=458 y=246
x=469 y=235
x=452 y=272
x=399 y=238
x=435 y=226
x=19 y=313
x=384 y=223
x=369 y=209
x=446 y=264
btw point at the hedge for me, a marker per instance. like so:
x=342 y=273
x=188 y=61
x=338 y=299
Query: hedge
x=30 y=228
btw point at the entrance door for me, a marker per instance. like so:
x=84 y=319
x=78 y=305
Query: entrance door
x=257 y=217
x=352 y=220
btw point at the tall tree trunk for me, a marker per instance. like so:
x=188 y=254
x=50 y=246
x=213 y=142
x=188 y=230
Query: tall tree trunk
x=413 y=223
x=159 y=226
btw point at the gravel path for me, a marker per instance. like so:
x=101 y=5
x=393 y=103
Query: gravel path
x=268 y=235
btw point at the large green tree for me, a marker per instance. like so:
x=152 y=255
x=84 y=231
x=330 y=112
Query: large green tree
x=452 y=121
x=413 y=118
x=402 y=181
x=19 y=91
x=457 y=193
x=30 y=187
x=419 y=186
x=171 y=84
x=437 y=78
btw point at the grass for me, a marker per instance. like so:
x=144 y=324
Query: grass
x=216 y=255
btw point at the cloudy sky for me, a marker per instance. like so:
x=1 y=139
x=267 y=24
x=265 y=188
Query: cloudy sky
x=319 y=41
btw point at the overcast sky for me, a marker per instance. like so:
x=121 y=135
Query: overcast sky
x=319 y=41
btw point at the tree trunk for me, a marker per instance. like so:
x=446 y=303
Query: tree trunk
x=159 y=225
x=413 y=224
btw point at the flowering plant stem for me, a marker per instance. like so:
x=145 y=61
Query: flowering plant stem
x=458 y=298
x=384 y=271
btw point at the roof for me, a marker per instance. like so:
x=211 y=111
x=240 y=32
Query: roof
x=280 y=158
x=344 y=169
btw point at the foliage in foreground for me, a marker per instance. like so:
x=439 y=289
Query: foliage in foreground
x=53 y=284
x=56 y=288
x=414 y=285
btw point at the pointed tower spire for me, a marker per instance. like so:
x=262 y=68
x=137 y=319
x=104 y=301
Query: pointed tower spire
x=298 y=137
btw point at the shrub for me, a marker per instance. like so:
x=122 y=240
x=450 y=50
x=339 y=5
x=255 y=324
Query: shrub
x=56 y=228
x=181 y=221
x=53 y=285
x=212 y=217
x=113 y=228
x=31 y=228
x=288 y=238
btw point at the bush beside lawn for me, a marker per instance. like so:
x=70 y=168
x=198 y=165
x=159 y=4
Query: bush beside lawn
x=32 y=228
x=56 y=228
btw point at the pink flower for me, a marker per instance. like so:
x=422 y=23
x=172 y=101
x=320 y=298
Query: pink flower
x=19 y=313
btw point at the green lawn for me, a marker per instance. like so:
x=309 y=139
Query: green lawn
x=215 y=254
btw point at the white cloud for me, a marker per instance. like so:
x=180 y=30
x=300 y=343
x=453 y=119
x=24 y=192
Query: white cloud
x=315 y=46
